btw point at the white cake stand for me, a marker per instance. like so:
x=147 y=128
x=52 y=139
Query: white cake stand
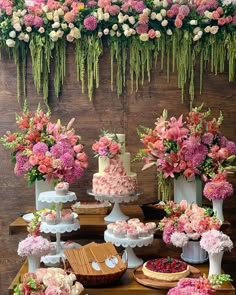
x=116 y=213
x=129 y=244
x=59 y=228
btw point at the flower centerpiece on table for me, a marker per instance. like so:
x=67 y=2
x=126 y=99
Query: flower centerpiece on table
x=48 y=281
x=44 y=150
x=191 y=147
x=34 y=246
x=186 y=222
x=108 y=145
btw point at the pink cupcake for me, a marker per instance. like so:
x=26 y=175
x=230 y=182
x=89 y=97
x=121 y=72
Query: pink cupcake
x=51 y=218
x=62 y=188
x=119 y=232
x=111 y=227
x=143 y=232
x=132 y=233
x=133 y=221
x=67 y=218
x=151 y=227
x=121 y=222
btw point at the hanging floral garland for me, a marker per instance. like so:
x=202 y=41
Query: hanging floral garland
x=138 y=32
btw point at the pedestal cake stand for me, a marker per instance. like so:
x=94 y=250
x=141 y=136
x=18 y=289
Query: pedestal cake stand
x=129 y=244
x=116 y=213
x=59 y=228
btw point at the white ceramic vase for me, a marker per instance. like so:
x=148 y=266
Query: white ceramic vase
x=215 y=261
x=42 y=186
x=218 y=208
x=188 y=189
x=33 y=263
x=193 y=253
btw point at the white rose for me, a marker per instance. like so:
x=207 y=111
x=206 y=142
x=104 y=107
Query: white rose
x=153 y=15
x=95 y=14
x=71 y=26
x=17 y=13
x=144 y=37
x=64 y=26
x=49 y=16
x=60 y=33
x=112 y=33
x=165 y=3
x=115 y=27
x=146 y=11
x=163 y=12
x=41 y=30
x=207 y=29
x=164 y=23
x=17 y=27
x=159 y=17
x=196 y=30
x=125 y=27
x=157 y=2
x=100 y=16
x=23 y=12
x=56 y=25
x=21 y=36
x=118 y=34
x=45 y=8
x=200 y=33
x=193 y=22
x=158 y=34
x=196 y=38
x=12 y=34
x=214 y=29
x=100 y=34
x=53 y=36
x=132 y=20
x=106 y=16
x=169 y=32
x=133 y=32
x=10 y=43
x=28 y=29
x=26 y=38
x=60 y=11
x=106 y=31
x=75 y=32
x=226 y=2
x=208 y=14
x=127 y=33
x=15 y=20
x=120 y=18
x=56 y=18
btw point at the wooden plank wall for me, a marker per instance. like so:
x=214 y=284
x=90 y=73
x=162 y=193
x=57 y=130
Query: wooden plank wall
x=122 y=114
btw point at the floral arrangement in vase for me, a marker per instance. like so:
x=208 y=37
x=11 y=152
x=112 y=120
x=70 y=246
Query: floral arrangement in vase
x=42 y=150
x=192 y=147
x=141 y=30
x=108 y=145
x=34 y=246
x=48 y=281
x=187 y=286
x=186 y=222
x=215 y=241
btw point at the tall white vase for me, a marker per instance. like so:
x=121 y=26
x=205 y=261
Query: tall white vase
x=193 y=253
x=215 y=261
x=188 y=189
x=33 y=263
x=218 y=208
x=42 y=186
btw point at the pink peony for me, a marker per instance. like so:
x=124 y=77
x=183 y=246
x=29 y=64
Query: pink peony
x=90 y=23
x=151 y=34
x=69 y=17
x=218 y=189
x=28 y=20
x=38 y=21
x=141 y=29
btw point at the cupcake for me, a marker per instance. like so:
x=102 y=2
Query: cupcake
x=67 y=218
x=132 y=233
x=111 y=227
x=51 y=218
x=119 y=232
x=62 y=188
x=143 y=232
x=133 y=221
x=151 y=227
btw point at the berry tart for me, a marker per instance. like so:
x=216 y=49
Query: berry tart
x=165 y=269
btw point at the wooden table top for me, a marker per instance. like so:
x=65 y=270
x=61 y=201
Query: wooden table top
x=127 y=285
x=89 y=224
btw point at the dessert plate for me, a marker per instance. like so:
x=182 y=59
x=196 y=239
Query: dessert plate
x=29 y=216
x=158 y=284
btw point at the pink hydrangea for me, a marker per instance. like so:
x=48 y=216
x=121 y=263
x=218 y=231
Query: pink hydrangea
x=90 y=23
x=34 y=246
x=28 y=20
x=38 y=21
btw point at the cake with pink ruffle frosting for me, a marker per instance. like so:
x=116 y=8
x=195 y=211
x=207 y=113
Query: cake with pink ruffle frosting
x=62 y=188
x=114 y=177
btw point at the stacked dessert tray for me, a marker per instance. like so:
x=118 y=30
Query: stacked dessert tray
x=116 y=213
x=58 y=228
x=129 y=236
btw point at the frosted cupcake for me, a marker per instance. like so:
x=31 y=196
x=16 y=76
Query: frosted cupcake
x=111 y=227
x=119 y=232
x=132 y=233
x=133 y=221
x=67 y=218
x=51 y=218
x=143 y=232
x=62 y=188
x=151 y=227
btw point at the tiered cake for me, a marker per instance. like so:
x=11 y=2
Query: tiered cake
x=114 y=175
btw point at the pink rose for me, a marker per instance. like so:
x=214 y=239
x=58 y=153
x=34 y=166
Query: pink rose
x=69 y=17
x=183 y=205
x=215 y=14
x=228 y=19
x=82 y=157
x=8 y=10
x=220 y=10
x=43 y=169
x=178 y=23
x=223 y=153
x=170 y=13
x=33 y=160
x=182 y=165
x=151 y=34
x=221 y=21
x=104 y=141
x=188 y=173
x=114 y=148
x=78 y=148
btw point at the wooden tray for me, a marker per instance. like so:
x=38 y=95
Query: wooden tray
x=158 y=284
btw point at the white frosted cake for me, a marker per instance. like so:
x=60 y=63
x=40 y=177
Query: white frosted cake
x=114 y=175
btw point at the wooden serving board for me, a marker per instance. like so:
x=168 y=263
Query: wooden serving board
x=158 y=284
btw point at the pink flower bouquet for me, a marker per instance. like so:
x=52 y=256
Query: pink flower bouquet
x=108 y=145
x=49 y=281
x=191 y=147
x=34 y=246
x=186 y=222
x=44 y=150
x=214 y=241
x=187 y=286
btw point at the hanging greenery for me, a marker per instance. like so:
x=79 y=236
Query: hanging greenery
x=137 y=33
